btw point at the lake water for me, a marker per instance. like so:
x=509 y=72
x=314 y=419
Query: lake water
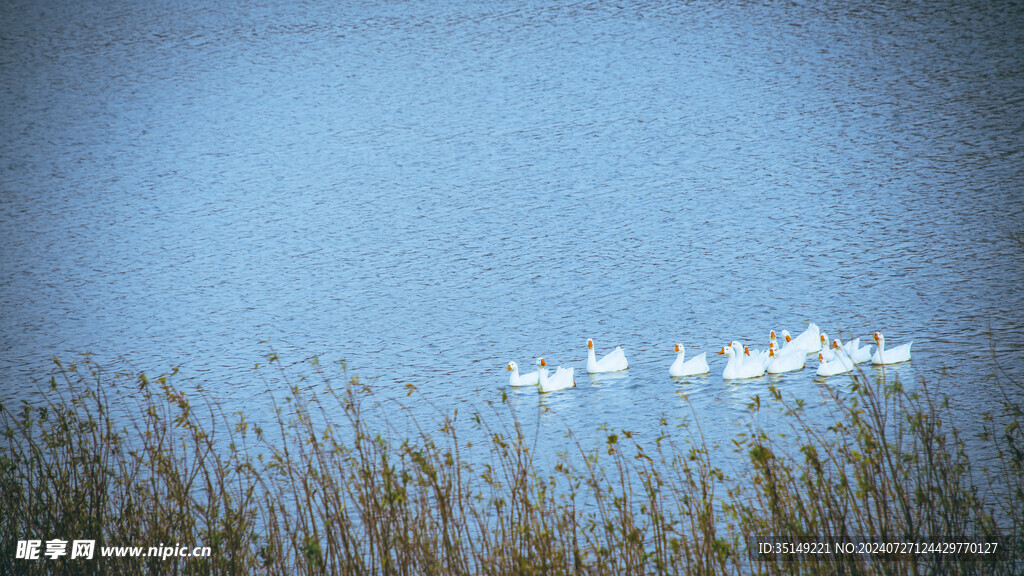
x=432 y=190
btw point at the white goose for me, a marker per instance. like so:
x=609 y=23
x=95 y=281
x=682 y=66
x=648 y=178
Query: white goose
x=740 y=365
x=517 y=379
x=895 y=355
x=854 y=350
x=825 y=350
x=757 y=355
x=563 y=378
x=779 y=362
x=841 y=364
x=612 y=362
x=692 y=367
x=809 y=340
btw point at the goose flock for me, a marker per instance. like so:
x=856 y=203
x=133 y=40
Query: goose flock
x=834 y=358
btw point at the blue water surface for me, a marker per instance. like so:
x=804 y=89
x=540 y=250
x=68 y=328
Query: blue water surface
x=430 y=190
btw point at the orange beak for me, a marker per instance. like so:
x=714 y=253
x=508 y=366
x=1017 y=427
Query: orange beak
x=835 y=344
x=746 y=350
x=788 y=338
x=773 y=334
x=771 y=352
x=722 y=351
x=542 y=362
x=590 y=344
x=677 y=347
x=820 y=357
x=507 y=368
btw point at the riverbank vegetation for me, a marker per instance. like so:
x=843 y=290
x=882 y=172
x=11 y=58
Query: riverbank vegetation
x=342 y=486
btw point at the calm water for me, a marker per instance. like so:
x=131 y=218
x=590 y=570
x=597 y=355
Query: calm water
x=431 y=191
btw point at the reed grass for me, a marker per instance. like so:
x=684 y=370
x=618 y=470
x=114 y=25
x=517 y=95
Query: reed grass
x=347 y=484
